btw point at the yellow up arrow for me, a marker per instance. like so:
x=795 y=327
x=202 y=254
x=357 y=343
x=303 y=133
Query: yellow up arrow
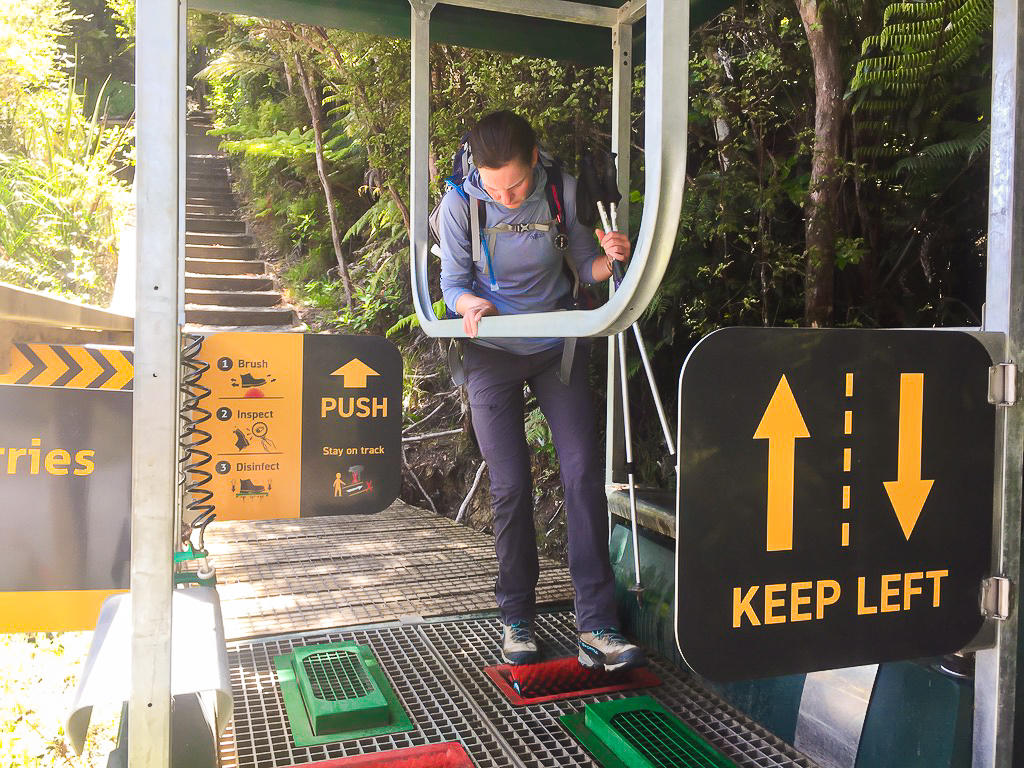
x=908 y=492
x=781 y=425
x=354 y=373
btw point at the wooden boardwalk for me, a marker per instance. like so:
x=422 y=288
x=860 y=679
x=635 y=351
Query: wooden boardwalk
x=281 y=576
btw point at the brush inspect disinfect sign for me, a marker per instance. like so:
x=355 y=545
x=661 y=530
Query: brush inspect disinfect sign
x=835 y=498
x=303 y=425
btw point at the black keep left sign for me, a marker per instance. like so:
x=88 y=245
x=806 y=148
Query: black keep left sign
x=835 y=498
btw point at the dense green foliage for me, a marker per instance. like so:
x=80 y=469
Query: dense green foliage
x=60 y=200
x=909 y=219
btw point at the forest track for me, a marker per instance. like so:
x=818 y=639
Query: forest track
x=227 y=284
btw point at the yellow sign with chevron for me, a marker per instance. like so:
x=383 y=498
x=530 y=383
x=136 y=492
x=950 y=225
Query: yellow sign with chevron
x=72 y=366
x=65 y=453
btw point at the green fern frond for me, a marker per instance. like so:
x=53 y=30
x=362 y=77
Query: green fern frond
x=919 y=41
x=409 y=321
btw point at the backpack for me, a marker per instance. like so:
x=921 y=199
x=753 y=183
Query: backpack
x=482 y=239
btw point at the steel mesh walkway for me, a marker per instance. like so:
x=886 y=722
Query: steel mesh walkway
x=277 y=576
x=436 y=668
x=369 y=580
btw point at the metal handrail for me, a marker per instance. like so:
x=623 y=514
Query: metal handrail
x=665 y=146
x=20 y=305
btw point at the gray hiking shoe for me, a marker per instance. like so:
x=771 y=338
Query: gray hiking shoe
x=607 y=648
x=518 y=643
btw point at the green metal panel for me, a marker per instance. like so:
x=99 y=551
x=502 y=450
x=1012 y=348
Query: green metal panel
x=773 y=702
x=918 y=718
x=640 y=733
x=337 y=691
x=523 y=35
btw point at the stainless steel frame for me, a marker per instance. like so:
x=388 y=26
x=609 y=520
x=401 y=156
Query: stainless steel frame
x=160 y=63
x=622 y=118
x=997 y=672
x=553 y=10
x=160 y=46
x=668 y=26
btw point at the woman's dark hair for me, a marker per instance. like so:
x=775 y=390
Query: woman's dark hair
x=501 y=138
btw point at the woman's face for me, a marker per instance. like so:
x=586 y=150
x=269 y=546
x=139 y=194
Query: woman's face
x=510 y=184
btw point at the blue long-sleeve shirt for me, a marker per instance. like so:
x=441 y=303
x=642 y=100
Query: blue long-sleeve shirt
x=526 y=266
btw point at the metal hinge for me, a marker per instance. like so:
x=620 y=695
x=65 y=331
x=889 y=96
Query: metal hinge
x=995 y=598
x=1002 y=384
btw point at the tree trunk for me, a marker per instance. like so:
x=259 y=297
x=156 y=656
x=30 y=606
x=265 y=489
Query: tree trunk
x=822 y=30
x=402 y=209
x=317 y=118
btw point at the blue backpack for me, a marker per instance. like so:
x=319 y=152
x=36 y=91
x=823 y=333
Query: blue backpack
x=483 y=238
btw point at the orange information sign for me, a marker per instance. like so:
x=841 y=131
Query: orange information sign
x=302 y=424
x=255 y=383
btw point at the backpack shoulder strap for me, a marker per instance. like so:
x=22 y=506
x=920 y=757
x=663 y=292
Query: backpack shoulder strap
x=474 y=228
x=554 y=189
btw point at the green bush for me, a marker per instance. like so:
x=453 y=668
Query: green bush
x=60 y=213
x=60 y=202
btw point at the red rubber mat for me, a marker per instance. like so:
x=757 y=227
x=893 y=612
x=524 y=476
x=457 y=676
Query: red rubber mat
x=563 y=679
x=450 y=754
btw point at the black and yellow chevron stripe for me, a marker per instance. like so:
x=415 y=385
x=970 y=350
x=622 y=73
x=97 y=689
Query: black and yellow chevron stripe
x=66 y=365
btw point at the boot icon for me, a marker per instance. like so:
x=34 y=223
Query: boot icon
x=247 y=488
x=248 y=381
x=241 y=443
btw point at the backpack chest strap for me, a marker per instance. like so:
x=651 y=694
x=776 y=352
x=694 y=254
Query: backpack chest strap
x=533 y=226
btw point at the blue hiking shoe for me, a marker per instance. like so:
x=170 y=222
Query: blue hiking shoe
x=518 y=643
x=608 y=649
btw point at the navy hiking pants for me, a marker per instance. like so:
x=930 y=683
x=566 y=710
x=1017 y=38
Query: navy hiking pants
x=495 y=379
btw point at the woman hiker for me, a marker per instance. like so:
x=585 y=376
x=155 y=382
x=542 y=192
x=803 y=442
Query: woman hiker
x=523 y=271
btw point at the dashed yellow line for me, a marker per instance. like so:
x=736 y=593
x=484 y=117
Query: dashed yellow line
x=847 y=457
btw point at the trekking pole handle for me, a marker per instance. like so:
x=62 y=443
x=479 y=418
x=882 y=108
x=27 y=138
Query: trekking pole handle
x=618 y=271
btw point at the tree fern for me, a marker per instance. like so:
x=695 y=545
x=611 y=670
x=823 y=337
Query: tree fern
x=918 y=41
x=409 y=321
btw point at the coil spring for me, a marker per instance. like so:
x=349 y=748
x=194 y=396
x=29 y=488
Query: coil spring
x=199 y=509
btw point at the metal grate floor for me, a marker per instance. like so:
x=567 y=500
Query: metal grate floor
x=317 y=573
x=654 y=737
x=436 y=668
x=337 y=675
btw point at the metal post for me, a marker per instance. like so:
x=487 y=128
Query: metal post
x=996 y=675
x=622 y=112
x=668 y=30
x=419 y=144
x=622 y=99
x=160 y=52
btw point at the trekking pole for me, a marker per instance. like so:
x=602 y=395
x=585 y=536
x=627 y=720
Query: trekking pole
x=588 y=178
x=612 y=194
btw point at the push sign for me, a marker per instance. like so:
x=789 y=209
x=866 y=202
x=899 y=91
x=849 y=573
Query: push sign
x=835 y=498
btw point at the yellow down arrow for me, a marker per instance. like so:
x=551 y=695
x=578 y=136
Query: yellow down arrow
x=908 y=492
x=781 y=425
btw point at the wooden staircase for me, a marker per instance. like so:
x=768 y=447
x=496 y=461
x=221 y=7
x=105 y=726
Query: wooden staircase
x=227 y=285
